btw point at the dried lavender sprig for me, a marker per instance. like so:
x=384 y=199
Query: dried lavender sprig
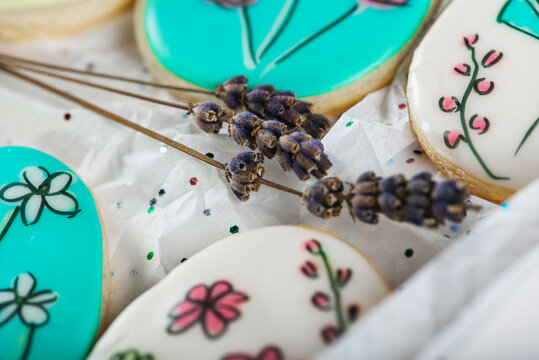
x=243 y=172
x=419 y=201
x=269 y=104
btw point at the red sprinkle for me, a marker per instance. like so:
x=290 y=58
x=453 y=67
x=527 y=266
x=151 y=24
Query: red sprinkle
x=402 y=106
x=67 y=116
x=193 y=181
x=410 y=160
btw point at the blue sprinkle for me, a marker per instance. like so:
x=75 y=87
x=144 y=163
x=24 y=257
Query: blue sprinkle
x=454 y=228
x=111 y=273
x=390 y=162
x=184 y=116
x=505 y=205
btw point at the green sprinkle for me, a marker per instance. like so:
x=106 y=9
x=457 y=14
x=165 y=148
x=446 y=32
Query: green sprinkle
x=350 y=124
x=151 y=209
x=210 y=155
x=150 y=255
x=234 y=229
x=447 y=236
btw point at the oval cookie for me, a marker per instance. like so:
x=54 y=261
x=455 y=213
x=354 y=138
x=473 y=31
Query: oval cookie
x=272 y=293
x=30 y=19
x=473 y=92
x=331 y=52
x=51 y=259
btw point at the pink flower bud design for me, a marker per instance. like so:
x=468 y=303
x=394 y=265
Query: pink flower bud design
x=449 y=104
x=330 y=333
x=491 y=58
x=480 y=124
x=470 y=40
x=483 y=87
x=321 y=301
x=452 y=138
x=343 y=276
x=463 y=69
x=309 y=269
x=313 y=246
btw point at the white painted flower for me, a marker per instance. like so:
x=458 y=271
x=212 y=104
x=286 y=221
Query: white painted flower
x=39 y=190
x=23 y=301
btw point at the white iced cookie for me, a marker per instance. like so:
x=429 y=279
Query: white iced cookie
x=272 y=293
x=473 y=92
x=30 y=19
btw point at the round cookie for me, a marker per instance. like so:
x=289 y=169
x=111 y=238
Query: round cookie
x=272 y=293
x=473 y=90
x=332 y=53
x=51 y=259
x=30 y=19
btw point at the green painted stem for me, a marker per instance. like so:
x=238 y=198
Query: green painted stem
x=246 y=38
x=464 y=123
x=335 y=290
x=8 y=220
x=28 y=345
x=277 y=28
x=527 y=135
x=305 y=41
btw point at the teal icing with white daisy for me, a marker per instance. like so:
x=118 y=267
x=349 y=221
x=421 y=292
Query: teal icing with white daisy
x=51 y=259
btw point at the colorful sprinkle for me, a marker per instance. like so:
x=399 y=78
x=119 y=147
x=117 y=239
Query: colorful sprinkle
x=151 y=209
x=111 y=273
x=350 y=123
x=162 y=192
x=119 y=204
x=193 y=181
x=153 y=202
x=505 y=205
x=410 y=160
x=390 y=162
x=150 y=255
x=418 y=152
x=183 y=260
x=234 y=229
x=67 y=116
x=184 y=116
x=207 y=212
x=402 y=106
x=454 y=228
x=409 y=253
x=447 y=236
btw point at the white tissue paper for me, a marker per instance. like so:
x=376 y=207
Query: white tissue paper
x=126 y=170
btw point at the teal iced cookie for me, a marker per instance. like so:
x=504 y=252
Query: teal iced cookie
x=51 y=259
x=320 y=49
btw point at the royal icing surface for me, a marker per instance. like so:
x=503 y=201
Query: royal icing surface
x=50 y=259
x=31 y=4
x=272 y=293
x=473 y=89
x=312 y=47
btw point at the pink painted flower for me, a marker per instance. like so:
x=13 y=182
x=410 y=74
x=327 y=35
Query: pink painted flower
x=449 y=104
x=234 y=3
x=491 y=58
x=309 y=269
x=343 y=276
x=463 y=69
x=321 y=301
x=470 y=40
x=452 y=138
x=483 y=87
x=330 y=333
x=313 y=246
x=383 y=4
x=268 y=353
x=213 y=307
x=480 y=124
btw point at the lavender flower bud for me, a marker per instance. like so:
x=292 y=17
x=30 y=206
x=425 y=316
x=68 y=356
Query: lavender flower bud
x=300 y=153
x=325 y=197
x=449 y=200
x=233 y=91
x=260 y=94
x=243 y=127
x=208 y=116
x=267 y=138
x=243 y=173
x=316 y=125
x=303 y=107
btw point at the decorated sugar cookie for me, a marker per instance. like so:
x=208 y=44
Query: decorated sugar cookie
x=281 y=292
x=28 y=19
x=473 y=92
x=333 y=52
x=51 y=259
